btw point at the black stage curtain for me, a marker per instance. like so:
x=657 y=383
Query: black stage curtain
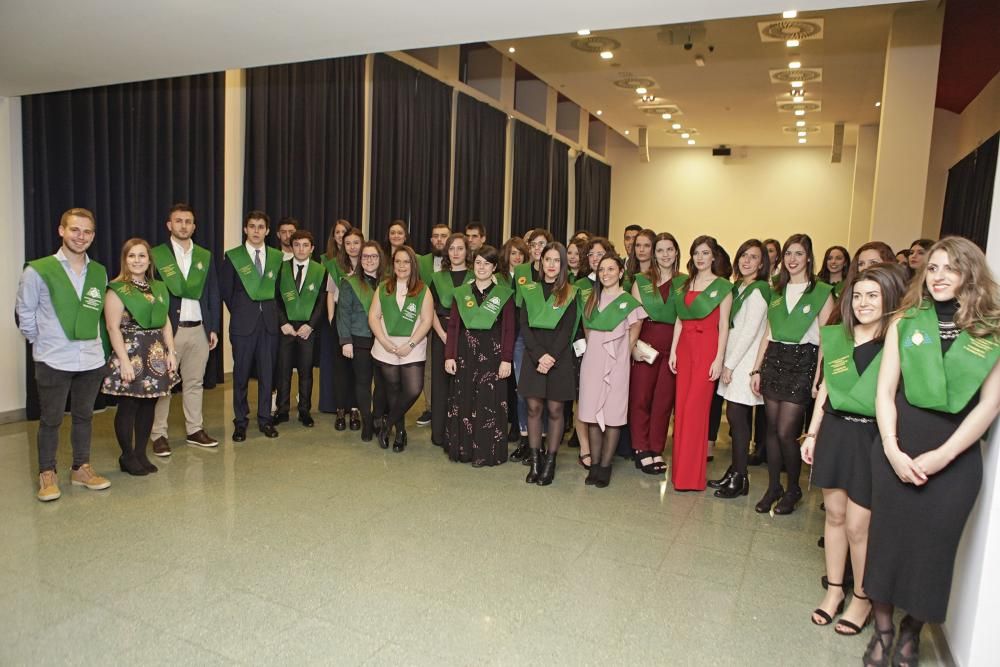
x=305 y=143
x=411 y=150
x=480 y=142
x=531 y=179
x=559 y=191
x=969 y=197
x=126 y=152
x=593 y=195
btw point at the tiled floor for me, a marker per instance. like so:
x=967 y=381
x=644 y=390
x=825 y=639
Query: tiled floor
x=317 y=549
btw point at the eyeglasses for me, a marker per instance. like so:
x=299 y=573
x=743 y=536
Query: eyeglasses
x=538 y=244
x=369 y=256
x=596 y=255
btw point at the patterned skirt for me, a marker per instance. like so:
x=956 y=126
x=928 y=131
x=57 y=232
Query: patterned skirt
x=788 y=372
x=476 y=427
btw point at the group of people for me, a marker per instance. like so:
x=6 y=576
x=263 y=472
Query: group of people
x=882 y=377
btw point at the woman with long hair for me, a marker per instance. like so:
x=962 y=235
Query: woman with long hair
x=838 y=442
x=641 y=257
x=917 y=257
x=612 y=318
x=938 y=391
x=836 y=263
x=396 y=237
x=454 y=272
x=785 y=371
x=747 y=325
x=336 y=375
x=652 y=383
x=575 y=250
x=773 y=247
x=697 y=352
x=143 y=364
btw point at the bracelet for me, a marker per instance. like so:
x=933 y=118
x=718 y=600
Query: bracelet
x=802 y=438
x=756 y=372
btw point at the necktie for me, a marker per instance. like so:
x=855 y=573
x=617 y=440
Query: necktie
x=256 y=262
x=298 y=277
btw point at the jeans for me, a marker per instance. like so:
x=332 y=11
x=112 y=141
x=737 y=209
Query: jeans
x=53 y=388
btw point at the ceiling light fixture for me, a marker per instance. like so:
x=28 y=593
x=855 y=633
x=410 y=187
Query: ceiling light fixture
x=802 y=141
x=878 y=104
x=626 y=132
x=798 y=99
x=800 y=112
x=690 y=142
x=685 y=135
x=640 y=90
x=798 y=84
x=802 y=134
x=699 y=61
x=789 y=14
x=800 y=123
x=666 y=116
x=583 y=32
x=792 y=43
x=676 y=126
x=599 y=112
x=511 y=50
x=607 y=55
x=795 y=64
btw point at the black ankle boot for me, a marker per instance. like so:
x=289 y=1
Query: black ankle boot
x=772 y=495
x=367 y=429
x=737 y=485
x=526 y=458
x=520 y=453
x=722 y=481
x=603 y=476
x=535 y=461
x=548 y=472
x=788 y=501
x=128 y=464
x=399 y=444
x=383 y=435
x=592 y=476
x=140 y=456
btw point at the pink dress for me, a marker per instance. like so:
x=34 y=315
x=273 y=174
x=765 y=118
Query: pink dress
x=604 y=372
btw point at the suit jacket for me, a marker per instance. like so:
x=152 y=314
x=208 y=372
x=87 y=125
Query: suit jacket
x=244 y=312
x=211 y=303
x=319 y=308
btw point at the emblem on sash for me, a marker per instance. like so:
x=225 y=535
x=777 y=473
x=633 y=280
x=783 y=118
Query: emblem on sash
x=200 y=266
x=806 y=308
x=522 y=280
x=312 y=286
x=714 y=293
x=469 y=303
x=917 y=338
x=412 y=308
x=622 y=306
x=270 y=274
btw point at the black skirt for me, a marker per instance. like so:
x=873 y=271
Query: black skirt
x=843 y=455
x=788 y=372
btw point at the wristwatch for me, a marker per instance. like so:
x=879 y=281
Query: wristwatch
x=412 y=344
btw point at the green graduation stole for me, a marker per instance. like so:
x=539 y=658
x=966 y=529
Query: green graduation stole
x=849 y=390
x=80 y=317
x=258 y=288
x=166 y=266
x=399 y=322
x=445 y=288
x=544 y=313
x=658 y=309
x=481 y=317
x=612 y=315
x=332 y=267
x=299 y=305
x=583 y=288
x=522 y=276
x=361 y=289
x=150 y=314
x=838 y=289
x=425 y=263
x=790 y=327
x=935 y=382
x=703 y=304
x=739 y=297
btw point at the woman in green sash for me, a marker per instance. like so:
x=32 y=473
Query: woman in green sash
x=703 y=302
x=785 y=371
x=838 y=443
x=938 y=391
x=400 y=318
x=336 y=375
x=454 y=272
x=395 y=238
x=641 y=257
x=514 y=253
x=142 y=368
x=836 y=263
x=575 y=250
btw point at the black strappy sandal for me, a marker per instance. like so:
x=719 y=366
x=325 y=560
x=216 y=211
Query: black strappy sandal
x=909 y=635
x=852 y=628
x=881 y=640
x=827 y=618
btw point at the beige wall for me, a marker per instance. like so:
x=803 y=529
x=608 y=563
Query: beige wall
x=772 y=192
x=12 y=363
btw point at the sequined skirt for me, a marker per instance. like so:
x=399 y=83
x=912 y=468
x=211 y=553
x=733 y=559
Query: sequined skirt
x=788 y=372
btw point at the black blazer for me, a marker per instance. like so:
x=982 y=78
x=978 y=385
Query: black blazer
x=244 y=312
x=319 y=308
x=211 y=304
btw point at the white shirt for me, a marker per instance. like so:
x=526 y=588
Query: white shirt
x=190 y=308
x=295 y=269
x=794 y=292
x=252 y=251
x=286 y=255
x=437 y=263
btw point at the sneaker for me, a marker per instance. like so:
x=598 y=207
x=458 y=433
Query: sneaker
x=161 y=447
x=48 y=486
x=85 y=476
x=202 y=439
x=424 y=419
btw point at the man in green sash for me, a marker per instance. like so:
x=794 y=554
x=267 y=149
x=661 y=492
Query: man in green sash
x=60 y=302
x=475 y=233
x=248 y=280
x=195 y=315
x=430 y=264
x=303 y=296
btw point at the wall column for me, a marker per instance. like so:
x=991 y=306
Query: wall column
x=863 y=184
x=234 y=162
x=13 y=365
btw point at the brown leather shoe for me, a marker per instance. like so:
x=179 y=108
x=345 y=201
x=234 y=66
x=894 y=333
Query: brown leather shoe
x=161 y=447
x=202 y=439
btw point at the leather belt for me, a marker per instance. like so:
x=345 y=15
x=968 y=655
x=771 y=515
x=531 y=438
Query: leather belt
x=187 y=325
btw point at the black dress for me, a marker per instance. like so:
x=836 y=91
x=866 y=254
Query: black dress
x=441 y=381
x=843 y=455
x=915 y=530
x=559 y=384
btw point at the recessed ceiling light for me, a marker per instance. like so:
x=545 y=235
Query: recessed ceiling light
x=626 y=131
x=583 y=32
x=666 y=116
x=789 y=14
x=640 y=90
x=795 y=64
x=685 y=135
x=511 y=50
x=800 y=112
x=599 y=112
x=798 y=84
x=791 y=43
x=676 y=126
x=690 y=142
x=798 y=99
x=802 y=134
x=802 y=141
x=800 y=123
x=607 y=55
x=878 y=104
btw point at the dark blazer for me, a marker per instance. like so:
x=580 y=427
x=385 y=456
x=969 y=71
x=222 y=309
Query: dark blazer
x=319 y=308
x=244 y=312
x=211 y=304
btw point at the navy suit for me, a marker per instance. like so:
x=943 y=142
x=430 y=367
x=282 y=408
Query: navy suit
x=253 y=332
x=293 y=352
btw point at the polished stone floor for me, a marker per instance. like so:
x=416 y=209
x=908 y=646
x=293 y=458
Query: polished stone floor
x=318 y=549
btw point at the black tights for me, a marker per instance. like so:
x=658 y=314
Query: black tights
x=556 y=423
x=403 y=385
x=740 y=421
x=909 y=630
x=364 y=373
x=134 y=422
x=784 y=426
x=603 y=444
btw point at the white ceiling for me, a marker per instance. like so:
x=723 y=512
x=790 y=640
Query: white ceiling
x=48 y=45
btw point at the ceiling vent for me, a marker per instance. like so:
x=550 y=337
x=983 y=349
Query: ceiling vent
x=808 y=105
x=595 y=44
x=781 y=31
x=684 y=130
x=630 y=81
x=683 y=35
x=805 y=74
x=660 y=109
x=809 y=129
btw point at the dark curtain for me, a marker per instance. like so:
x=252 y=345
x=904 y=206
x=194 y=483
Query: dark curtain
x=969 y=196
x=480 y=143
x=593 y=195
x=305 y=143
x=559 y=190
x=411 y=150
x=127 y=153
x=531 y=179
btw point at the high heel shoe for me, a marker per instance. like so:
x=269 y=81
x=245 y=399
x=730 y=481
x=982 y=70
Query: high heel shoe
x=853 y=628
x=770 y=497
x=788 y=501
x=548 y=471
x=738 y=485
x=383 y=436
x=882 y=641
x=603 y=476
x=722 y=481
x=535 y=461
x=131 y=466
x=399 y=444
x=909 y=635
x=827 y=618
x=651 y=468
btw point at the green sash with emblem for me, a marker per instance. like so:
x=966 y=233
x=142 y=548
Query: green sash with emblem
x=838 y=289
x=258 y=287
x=166 y=266
x=658 y=309
x=849 y=390
x=80 y=317
x=790 y=327
x=425 y=263
x=299 y=305
x=481 y=317
x=445 y=288
x=522 y=276
x=544 y=313
x=400 y=321
x=332 y=267
x=739 y=297
x=149 y=310
x=612 y=315
x=361 y=290
x=706 y=301
x=935 y=382
x=584 y=287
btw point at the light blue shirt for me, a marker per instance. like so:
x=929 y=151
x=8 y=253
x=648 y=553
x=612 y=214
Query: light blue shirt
x=37 y=320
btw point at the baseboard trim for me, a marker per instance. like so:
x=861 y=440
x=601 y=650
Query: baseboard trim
x=941 y=644
x=11 y=416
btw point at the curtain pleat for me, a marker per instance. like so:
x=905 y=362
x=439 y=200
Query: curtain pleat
x=593 y=195
x=969 y=196
x=480 y=145
x=559 y=190
x=531 y=179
